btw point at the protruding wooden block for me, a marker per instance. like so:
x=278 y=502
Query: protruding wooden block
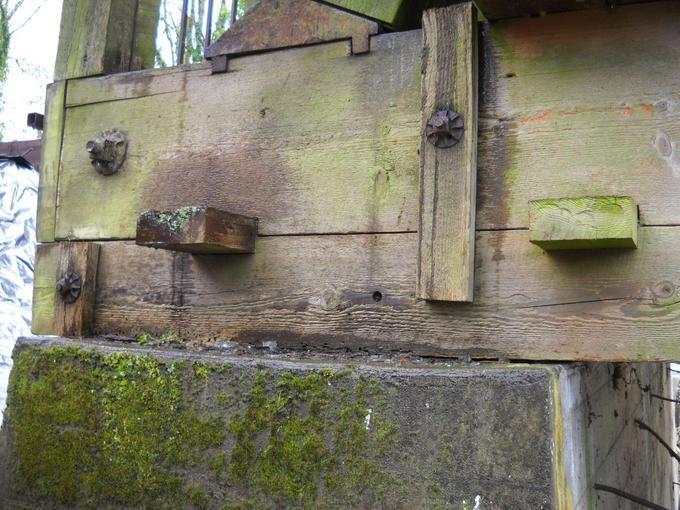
x=583 y=223
x=197 y=230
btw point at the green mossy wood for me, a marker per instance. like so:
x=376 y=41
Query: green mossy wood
x=106 y=36
x=391 y=12
x=583 y=223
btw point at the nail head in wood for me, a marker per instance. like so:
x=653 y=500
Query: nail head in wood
x=197 y=230
x=583 y=223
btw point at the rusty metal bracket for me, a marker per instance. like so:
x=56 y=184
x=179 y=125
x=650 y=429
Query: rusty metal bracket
x=444 y=129
x=107 y=151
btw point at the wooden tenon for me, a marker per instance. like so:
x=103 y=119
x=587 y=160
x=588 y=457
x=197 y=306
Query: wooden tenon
x=197 y=230
x=584 y=222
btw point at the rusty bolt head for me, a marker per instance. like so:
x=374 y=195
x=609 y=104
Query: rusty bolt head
x=107 y=151
x=444 y=129
x=69 y=286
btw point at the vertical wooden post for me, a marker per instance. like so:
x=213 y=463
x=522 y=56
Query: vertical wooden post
x=106 y=36
x=49 y=160
x=75 y=316
x=448 y=175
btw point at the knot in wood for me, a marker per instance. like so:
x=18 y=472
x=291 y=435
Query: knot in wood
x=444 y=129
x=107 y=151
x=69 y=286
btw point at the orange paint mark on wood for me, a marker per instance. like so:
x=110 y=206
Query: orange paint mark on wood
x=537 y=118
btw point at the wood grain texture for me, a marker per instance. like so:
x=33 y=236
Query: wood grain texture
x=272 y=24
x=105 y=36
x=391 y=12
x=197 y=230
x=335 y=154
x=51 y=314
x=448 y=176
x=583 y=223
x=76 y=319
x=581 y=104
x=357 y=292
x=572 y=104
x=50 y=157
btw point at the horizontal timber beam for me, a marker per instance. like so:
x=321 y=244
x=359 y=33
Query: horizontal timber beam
x=357 y=291
x=546 y=125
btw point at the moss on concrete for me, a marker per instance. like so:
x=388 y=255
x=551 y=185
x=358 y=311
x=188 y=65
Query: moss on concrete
x=104 y=427
x=124 y=428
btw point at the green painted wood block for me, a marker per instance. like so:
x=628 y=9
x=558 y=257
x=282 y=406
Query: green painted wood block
x=583 y=223
x=391 y=12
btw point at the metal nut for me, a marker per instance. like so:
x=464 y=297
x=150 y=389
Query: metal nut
x=444 y=129
x=107 y=151
x=69 y=286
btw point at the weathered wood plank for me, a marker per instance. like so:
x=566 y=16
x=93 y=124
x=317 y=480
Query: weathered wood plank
x=271 y=24
x=392 y=12
x=75 y=288
x=105 y=36
x=560 y=116
x=44 y=281
x=335 y=154
x=197 y=230
x=144 y=42
x=64 y=288
x=448 y=175
x=50 y=156
x=583 y=223
x=358 y=291
x=580 y=104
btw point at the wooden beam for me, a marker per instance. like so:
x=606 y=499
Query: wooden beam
x=272 y=24
x=391 y=12
x=197 y=230
x=105 y=36
x=64 y=288
x=332 y=154
x=583 y=223
x=448 y=174
x=357 y=291
x=50 y=158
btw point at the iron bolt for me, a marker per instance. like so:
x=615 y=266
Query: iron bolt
x=69 y=286
x=444 y=129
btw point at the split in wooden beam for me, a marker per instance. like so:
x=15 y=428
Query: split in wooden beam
x=197 y=230
x=448 y=154
x=583 y=223
x=73 y=289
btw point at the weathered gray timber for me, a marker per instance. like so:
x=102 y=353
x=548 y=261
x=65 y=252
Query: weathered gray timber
x=96 y=425
x=358 y=291
x=448 y=173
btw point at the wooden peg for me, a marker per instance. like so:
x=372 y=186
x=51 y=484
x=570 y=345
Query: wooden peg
x=583 y=223
x=197 y=230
